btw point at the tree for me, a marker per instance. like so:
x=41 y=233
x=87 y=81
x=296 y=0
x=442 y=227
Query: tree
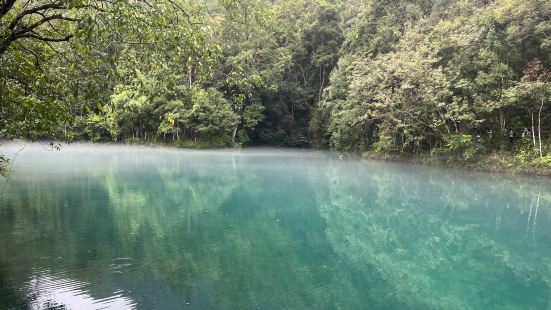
x=210 y=115
x=402 y=77
x=41 y=21
x=534 y=93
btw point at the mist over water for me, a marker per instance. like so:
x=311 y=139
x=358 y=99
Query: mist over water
x=99 y=227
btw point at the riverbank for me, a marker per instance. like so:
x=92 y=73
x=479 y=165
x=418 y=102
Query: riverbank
x=499 y=162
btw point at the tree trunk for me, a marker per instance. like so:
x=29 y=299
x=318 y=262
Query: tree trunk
x=502 y=122
x=322 y=77
x=189 y=70
x=533 y=129
x=234 y=133
x=303 y=75
x=539 y=126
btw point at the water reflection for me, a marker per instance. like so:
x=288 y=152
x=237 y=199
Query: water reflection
x=442 y=239
x=262 y=229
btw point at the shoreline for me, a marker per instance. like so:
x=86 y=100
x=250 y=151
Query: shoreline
x=491 y=163
x=501 y=163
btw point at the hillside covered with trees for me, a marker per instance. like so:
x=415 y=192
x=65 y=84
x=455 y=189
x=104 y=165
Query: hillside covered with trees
x=463 y=78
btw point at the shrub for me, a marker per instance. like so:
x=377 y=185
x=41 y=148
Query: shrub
x=543 y=161
x=461 y=147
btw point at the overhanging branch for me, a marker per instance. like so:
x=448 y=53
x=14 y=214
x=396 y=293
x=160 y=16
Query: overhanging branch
x=46 y=39
x=34 y=10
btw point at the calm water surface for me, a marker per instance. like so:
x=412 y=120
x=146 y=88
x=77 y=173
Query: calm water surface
x=106 y=227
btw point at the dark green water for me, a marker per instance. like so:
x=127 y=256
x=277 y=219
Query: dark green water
x=115 y=227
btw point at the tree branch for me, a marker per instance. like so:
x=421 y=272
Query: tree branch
x=45 y=39
x=25 y=29
x=21 y=29
x=6 y=7
x=35 y=10
x=188 y=17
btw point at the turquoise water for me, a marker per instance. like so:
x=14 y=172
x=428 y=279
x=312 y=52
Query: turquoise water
x=100 y=227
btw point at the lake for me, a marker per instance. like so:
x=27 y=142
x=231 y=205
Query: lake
x=116 y=227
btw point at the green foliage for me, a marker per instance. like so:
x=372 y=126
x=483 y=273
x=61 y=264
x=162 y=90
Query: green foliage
x=543 y=161
x=396 y=77
x=414 y=77
x=102 y=126
x=210 y=115
x=462 y=147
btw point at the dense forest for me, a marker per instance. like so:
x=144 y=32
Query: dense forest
x=400 y=77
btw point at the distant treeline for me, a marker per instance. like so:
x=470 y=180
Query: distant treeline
x=395 y=77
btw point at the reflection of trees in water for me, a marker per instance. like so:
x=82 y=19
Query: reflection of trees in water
x=10 y=296
x=245 y=232
x=90 y=219
x=440 y=239
x=213 y=232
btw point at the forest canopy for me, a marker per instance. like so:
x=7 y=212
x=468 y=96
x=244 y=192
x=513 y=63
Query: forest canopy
x=463 y=77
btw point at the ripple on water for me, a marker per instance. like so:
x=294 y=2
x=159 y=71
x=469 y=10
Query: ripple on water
x=46 y=291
